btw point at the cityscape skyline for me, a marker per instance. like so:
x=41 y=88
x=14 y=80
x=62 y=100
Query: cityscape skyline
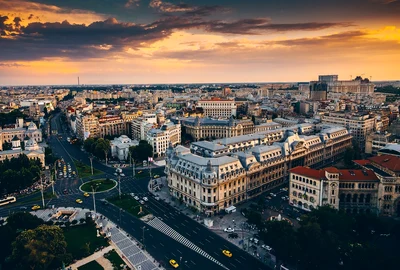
x=154 y=42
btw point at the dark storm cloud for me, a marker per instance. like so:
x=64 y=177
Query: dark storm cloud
x=104 y=38
x=261 y=25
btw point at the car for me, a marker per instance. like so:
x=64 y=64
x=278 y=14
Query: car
x=227 y=253
x=141 y=202
x=233 y=235
x=157 y=198
x=23 y=208
x=272 y=194
x=145 y=199
x=122 y=174
x=173 y=263
x=132 y=194
x=266 y=247
x=156 y=176
x=139 y=172
x=298 y=219
x=73 y=172
x=229 y=230
x=35 y=207
x=78 y=201
x=86 y=194
x=269 y=198
x=136 y=198
x=254 y=240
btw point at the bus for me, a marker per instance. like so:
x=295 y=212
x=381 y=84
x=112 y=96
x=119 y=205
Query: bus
x=7 y=200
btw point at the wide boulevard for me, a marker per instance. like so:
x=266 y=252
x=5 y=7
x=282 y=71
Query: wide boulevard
x=161 y=246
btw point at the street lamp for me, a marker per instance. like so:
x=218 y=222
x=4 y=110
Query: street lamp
x=91 y=163
x=94 y=187
x=118 y=172
x=41 y=178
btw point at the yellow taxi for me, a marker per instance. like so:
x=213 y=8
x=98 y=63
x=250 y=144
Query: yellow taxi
x=173 y=263
x=35 y=207
x=227 y=253
x=139 y=172
x=86 y=194
x=156 y=176
x=79 y=201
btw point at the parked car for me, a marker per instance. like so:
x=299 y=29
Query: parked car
x=266 y=247
x=136 y=198
x=233 y=235
x=141 y=202
x=145 y=199
x=157 y=198
x=229 y=230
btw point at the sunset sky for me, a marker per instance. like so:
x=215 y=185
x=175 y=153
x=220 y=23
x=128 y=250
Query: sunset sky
x=196 y=41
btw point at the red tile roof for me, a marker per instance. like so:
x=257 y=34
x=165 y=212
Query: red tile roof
x=344 y=175
x=387 y=161
x=308 y=172
x=331 y=170
x=362 y=162
x=357 y=175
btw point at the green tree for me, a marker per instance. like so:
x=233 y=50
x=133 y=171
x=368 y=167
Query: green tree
x=23 y=221
x=281 y=236
x=89 y=145
x=7 y=146
x=142 y=151
x=40 y=248
x=102 y=148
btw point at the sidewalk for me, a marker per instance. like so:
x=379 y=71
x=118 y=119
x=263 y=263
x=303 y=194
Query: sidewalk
x=93 y=257
x=127 y=247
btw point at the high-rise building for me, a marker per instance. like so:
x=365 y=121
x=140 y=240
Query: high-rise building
x=318 y=90
x=359 y=126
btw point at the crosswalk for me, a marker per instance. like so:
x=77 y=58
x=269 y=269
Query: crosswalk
x=71 y=191
x=157 y=224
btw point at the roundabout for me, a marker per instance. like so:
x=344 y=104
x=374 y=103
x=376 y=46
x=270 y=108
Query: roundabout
x=98 y=185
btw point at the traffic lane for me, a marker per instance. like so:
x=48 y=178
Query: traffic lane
x=201 y=236
x=160 y=246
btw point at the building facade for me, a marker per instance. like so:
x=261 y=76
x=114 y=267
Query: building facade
x=216 y=107
x=226 y=174
x=359 y=126
x=353 y=191
x=8 y=133
x=120 y=147
x=160 y=139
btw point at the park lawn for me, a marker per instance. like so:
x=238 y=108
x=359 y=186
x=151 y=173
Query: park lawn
x=129 y=204
x=85 y=170
x=103 y=185
x=93 y=265
x=115 y=259
x=78 y=236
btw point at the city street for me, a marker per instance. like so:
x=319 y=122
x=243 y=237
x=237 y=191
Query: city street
x=174 y=236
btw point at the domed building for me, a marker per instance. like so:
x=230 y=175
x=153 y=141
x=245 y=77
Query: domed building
x=17 y=133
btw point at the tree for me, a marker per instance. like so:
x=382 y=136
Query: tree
x=89 y=145
x=348 y=157
x=23 y=221
x=281 y=236
x=40 y=248
x=7 y=146
x=142 y=151
x=102 y=148
x=49 y=156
